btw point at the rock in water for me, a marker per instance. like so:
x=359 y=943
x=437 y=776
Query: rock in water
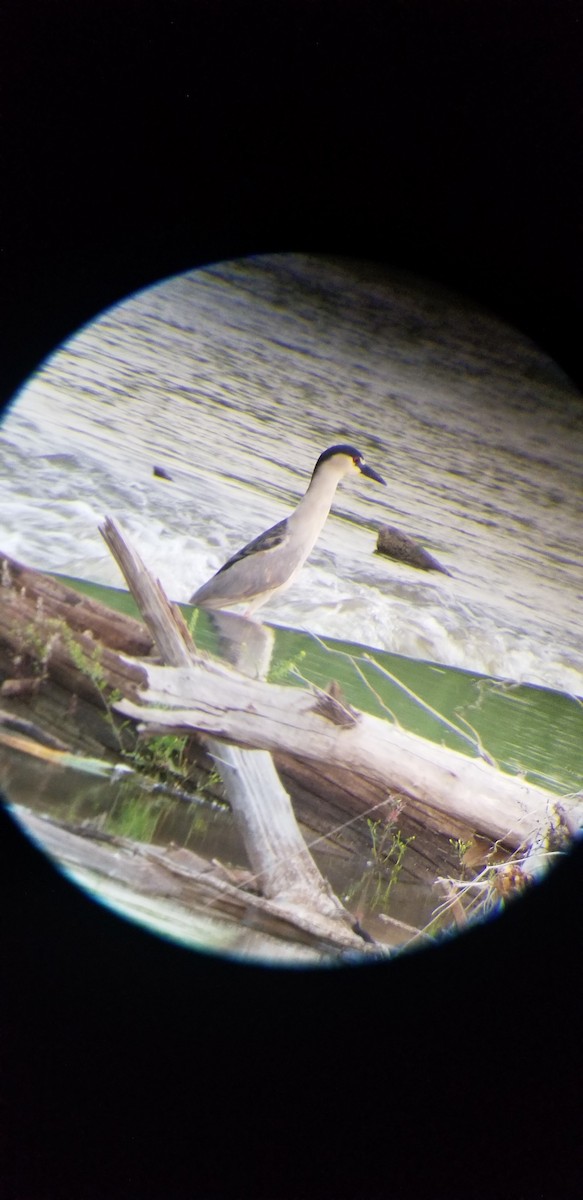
x=395 y=544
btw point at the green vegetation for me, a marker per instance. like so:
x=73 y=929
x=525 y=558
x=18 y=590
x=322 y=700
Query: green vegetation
x=461 y=848
x=162 y=756
x=533 y=731
x=134 y=814
x=89 y=665
x=525 y=730
x=285 y=669
x=373 y=890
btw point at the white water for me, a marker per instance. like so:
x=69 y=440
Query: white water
x=235 y=378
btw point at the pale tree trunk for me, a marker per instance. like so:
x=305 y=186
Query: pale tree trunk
x=279 y=858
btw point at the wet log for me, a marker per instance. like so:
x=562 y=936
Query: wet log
x=209 y=697
x=60 y=660
x=57 y=666
x=60 y=671
x=281 y=862
x=336 y=805
x=22 y=587
x=60 y=667
x=200 y=887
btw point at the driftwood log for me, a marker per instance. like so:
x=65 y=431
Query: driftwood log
x=198 y=695
x=65 y=661
x=280 y=860
x=178 y=876
x=56 y=666
x=53 y=640
x=60 y=659
x=207 y=697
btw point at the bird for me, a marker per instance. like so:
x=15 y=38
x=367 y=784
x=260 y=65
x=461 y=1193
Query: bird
x=270 y=563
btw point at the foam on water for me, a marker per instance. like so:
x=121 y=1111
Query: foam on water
x=184 y=376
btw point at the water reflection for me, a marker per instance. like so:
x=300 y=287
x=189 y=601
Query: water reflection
x=231 y=379
x=243 y=642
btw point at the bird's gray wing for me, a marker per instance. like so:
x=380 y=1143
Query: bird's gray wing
x=266 y=541
x=252 y=571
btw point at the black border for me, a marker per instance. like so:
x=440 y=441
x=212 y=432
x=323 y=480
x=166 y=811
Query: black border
x=141 y=138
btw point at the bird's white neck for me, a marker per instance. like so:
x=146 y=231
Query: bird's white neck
x=312 y=510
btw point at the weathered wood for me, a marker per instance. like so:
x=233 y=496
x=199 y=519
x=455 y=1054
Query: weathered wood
x=192 y=881
x=208 y=697
x=48 y=664
x=262 y=808
x=44 y=633
x=278 y=854
x=163 y=619
x=336 y=805
x=42 y=682
x=56 y=661
x=20 y=585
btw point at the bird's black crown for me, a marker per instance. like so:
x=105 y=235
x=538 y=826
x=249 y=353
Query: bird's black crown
x=349 y=451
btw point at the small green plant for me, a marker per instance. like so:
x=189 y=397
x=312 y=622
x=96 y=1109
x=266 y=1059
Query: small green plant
x=38 y=647
x=41 y=641
x=389 y=852
x=162 y=756
x=289 y=666
x=135 y=815
x=461 y=848
x=382 y=875
x=91 y=666
x=212 y=780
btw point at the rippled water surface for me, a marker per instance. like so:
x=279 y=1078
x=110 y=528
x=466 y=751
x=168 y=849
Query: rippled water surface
x=234 y=379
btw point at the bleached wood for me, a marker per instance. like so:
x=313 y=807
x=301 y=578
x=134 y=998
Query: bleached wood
x=280 y=860
x=278 y=855
x=209 y=697
x=181 y=876
x=163 y=619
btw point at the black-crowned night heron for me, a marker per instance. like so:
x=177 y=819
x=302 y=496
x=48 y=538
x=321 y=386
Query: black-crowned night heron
x=271 y=561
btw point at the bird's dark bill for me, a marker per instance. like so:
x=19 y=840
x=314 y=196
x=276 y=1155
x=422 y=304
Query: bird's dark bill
x=366 y=470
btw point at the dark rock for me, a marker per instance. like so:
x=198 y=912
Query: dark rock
x=394 y=544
